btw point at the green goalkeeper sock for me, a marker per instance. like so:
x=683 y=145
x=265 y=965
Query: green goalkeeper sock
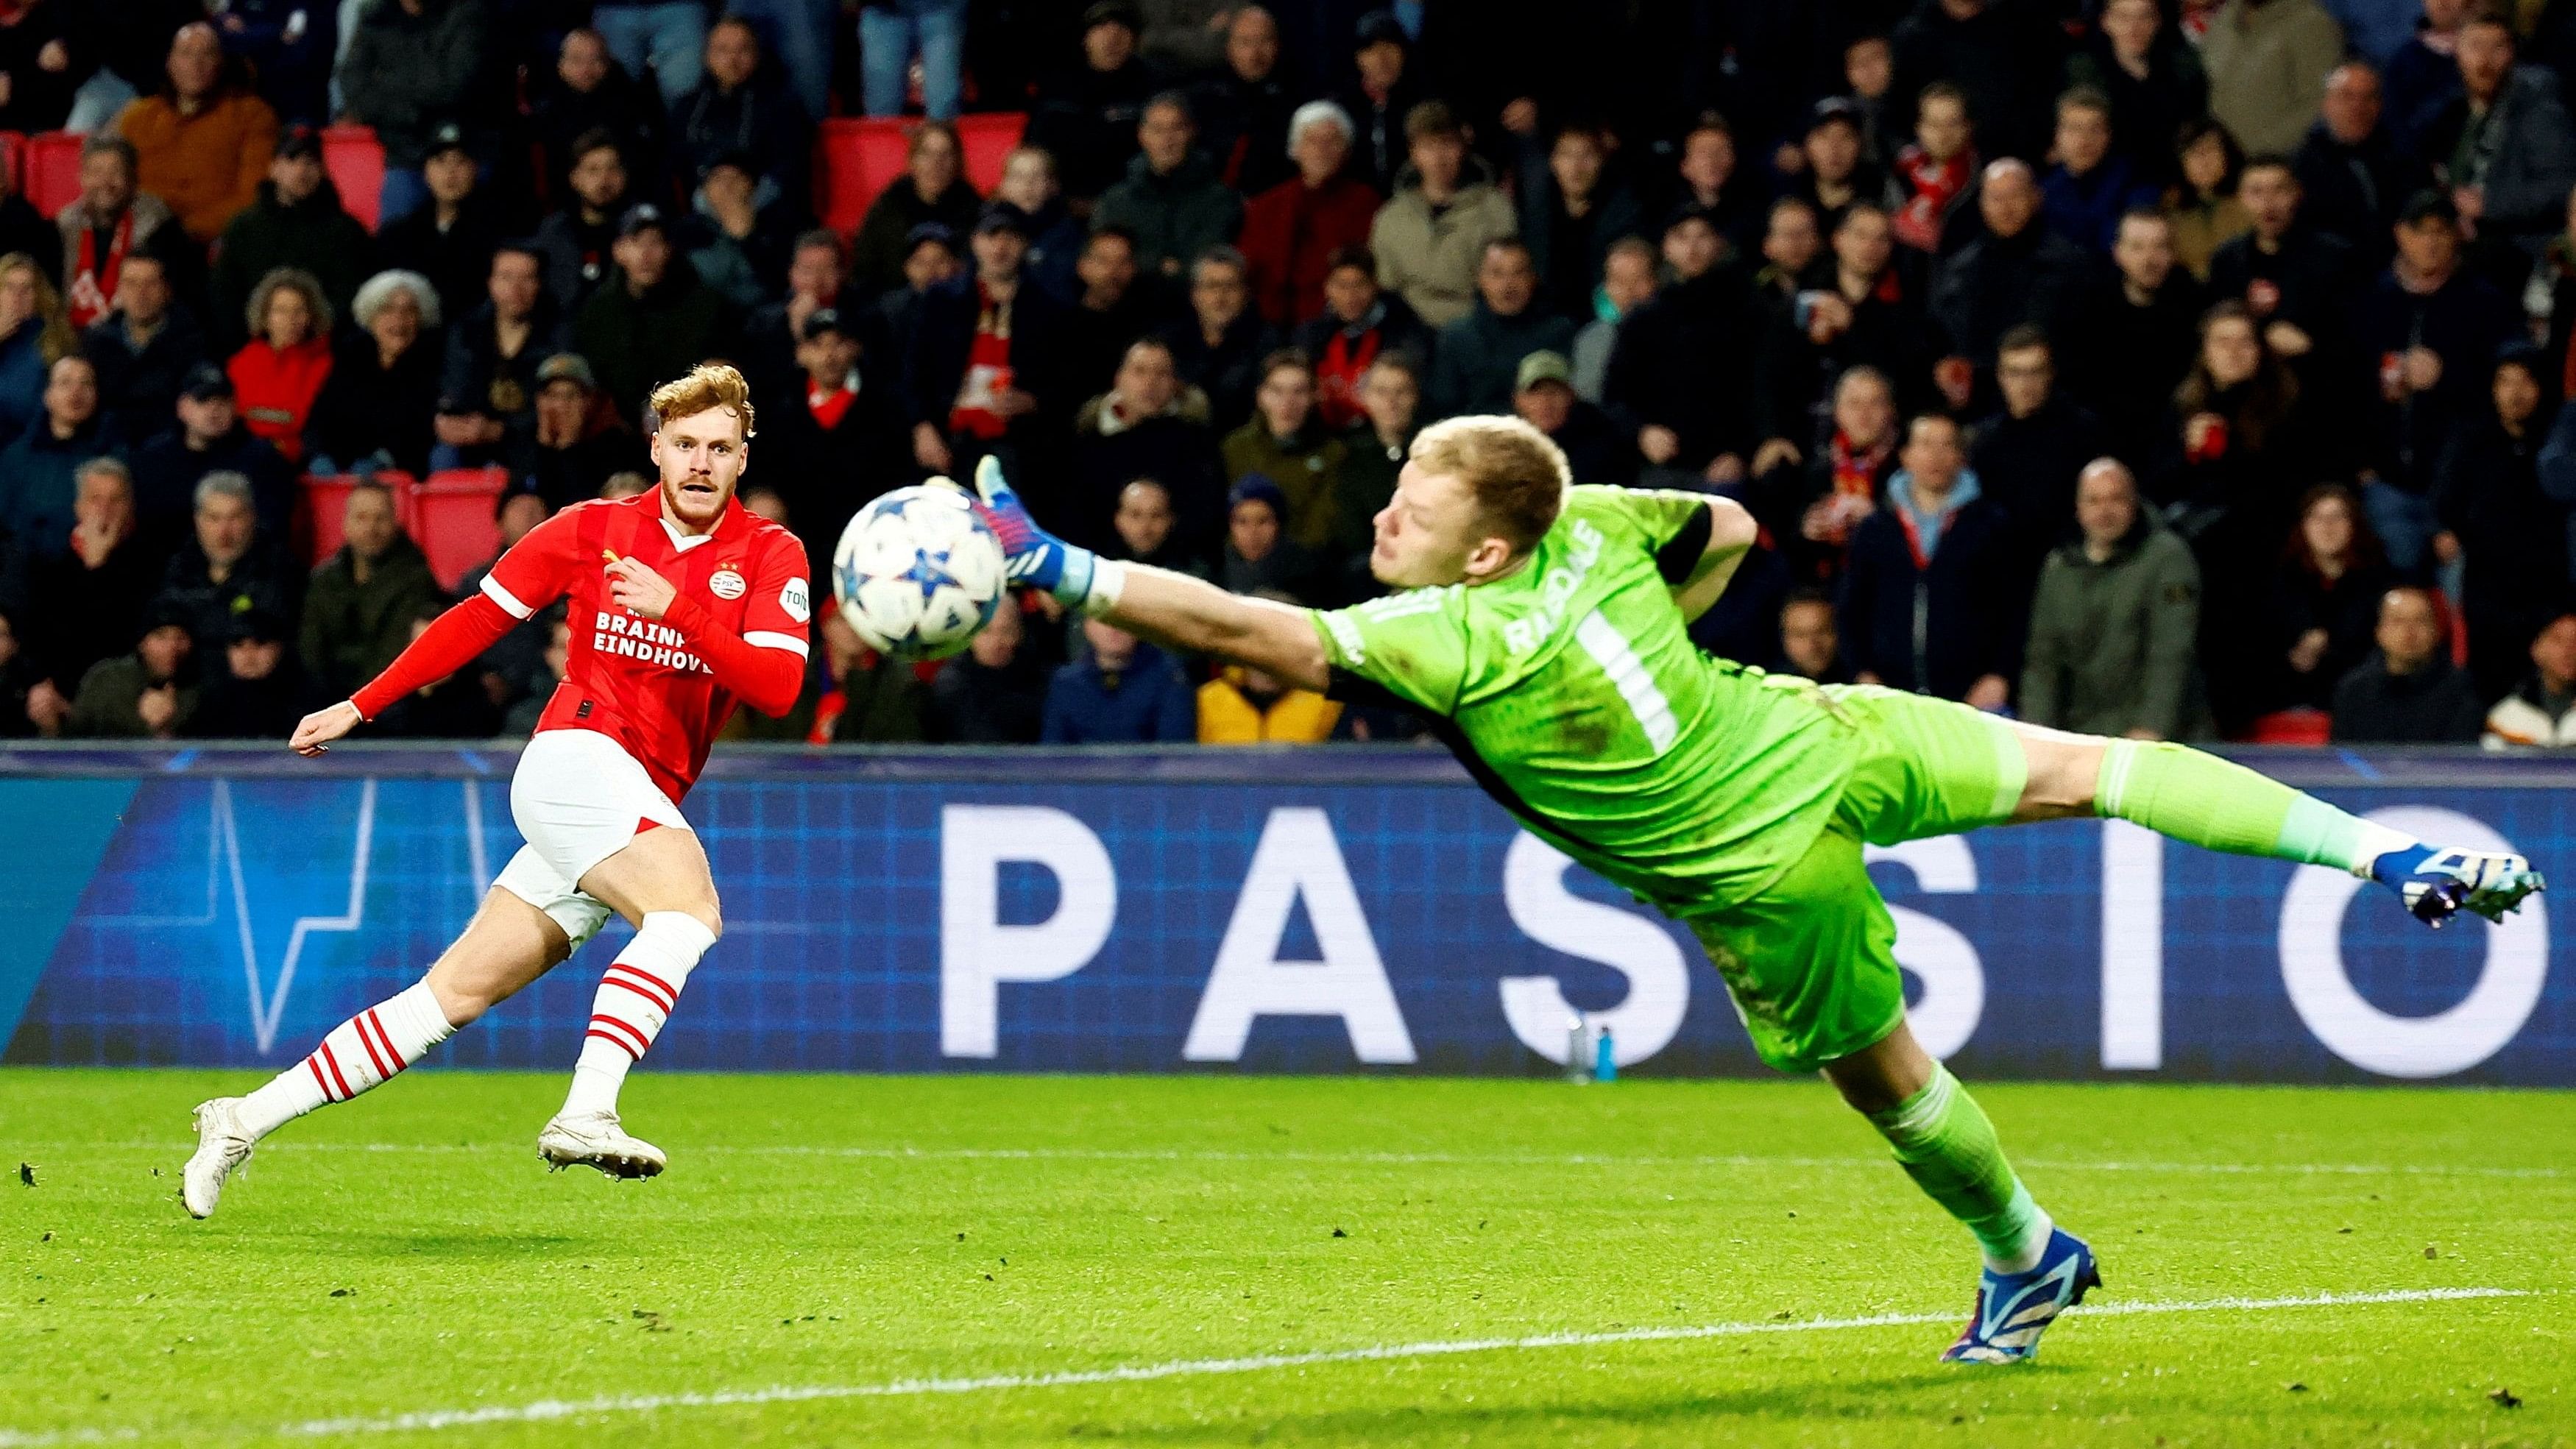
x=1944 y=1142
x=2179 y=791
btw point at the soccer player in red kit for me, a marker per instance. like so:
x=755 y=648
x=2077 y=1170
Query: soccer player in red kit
x=682 y=604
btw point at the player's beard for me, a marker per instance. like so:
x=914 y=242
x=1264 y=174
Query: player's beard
x=699 y=510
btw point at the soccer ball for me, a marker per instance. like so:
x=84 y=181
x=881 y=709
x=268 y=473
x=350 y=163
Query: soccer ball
x=918 y=573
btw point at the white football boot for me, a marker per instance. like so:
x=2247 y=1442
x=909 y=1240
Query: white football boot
x=593 y=1139
x=222 y=1145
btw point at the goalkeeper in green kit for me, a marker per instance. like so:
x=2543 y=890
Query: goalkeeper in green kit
x=1541 y=628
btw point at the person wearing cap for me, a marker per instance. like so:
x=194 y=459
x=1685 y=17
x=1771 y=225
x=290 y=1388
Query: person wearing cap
x=298 y=222
x=1543 y=396
x=1245 y=105
x=840 y=440
x=1260 y=556
x=737 y=246
x=260 y=692
x=932 y=258
x=1571 y=210
x=205 y=437
x=450 y=240
x=379 y=406
x=1430 y=237
x=1293 y=231
x=140 y=695
x=739 y=107
x=203 y=141
x=983 y=348
x=1171 y=200
x=1834 y=171
x=1473 y=363
x=1087 y=117
x=568 y=446
x=932 y=190
x=1381 y=100
x=411 y=65
x=1288 y=445
x=652 y=319
x=2435 y=327
x=109 y=221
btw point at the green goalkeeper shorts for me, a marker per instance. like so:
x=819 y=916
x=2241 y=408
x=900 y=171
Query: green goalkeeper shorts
x=1811 y=958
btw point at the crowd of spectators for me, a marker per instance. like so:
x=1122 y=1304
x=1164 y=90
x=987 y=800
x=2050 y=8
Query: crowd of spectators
x=2168 y=368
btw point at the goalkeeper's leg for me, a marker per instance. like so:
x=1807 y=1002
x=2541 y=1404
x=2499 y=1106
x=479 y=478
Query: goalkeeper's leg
x=2197 y=797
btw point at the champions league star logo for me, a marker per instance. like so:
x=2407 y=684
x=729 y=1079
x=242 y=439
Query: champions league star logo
x=931 y=575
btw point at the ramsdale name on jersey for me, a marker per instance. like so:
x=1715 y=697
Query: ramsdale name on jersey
x=620 y=634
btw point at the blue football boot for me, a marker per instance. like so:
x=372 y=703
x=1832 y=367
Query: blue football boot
x=2014 y=1309
x=2437 y=883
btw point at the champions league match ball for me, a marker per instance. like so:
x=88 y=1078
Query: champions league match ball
x=918 y=573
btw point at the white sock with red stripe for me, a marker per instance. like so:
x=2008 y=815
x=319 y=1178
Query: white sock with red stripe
x=636 y=995
x=359 y=1053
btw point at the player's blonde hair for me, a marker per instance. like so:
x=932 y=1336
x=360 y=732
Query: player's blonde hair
x=708 y=385
x=1519 y=478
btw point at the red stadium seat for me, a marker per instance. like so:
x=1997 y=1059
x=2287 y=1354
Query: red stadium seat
x=989 y=139
x=454 y=518
x=854 y=159
x=2292 y=727
x=52 y=171
x=357 y=167
x=323 y=501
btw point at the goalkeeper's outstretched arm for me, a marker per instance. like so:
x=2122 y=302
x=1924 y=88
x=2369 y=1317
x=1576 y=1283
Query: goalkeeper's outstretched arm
x=1163 y=606
x=1197 y=616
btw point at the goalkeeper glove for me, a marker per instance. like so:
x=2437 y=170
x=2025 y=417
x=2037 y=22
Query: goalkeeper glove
x=1031 y=555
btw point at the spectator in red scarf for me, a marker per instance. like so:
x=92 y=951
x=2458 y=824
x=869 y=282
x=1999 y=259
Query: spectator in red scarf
x=1933 y=174
x=105 y=225
x=1292 y=232
x=280 y=371
x=1810 y=510
x=1361 y=323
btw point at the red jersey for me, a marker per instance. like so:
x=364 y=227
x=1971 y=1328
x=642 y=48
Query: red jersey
x=737 y=632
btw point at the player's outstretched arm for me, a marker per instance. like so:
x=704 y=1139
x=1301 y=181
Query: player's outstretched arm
x=1169 y=608
x=1731 y=531
x=1195 y=615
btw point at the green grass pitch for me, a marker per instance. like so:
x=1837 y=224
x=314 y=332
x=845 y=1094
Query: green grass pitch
x=1036 y=1260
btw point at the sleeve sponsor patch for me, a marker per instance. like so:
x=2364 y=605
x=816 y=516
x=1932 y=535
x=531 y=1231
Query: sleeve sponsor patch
x=792 y=599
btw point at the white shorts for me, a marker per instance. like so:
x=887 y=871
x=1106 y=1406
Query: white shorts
x=578 y=798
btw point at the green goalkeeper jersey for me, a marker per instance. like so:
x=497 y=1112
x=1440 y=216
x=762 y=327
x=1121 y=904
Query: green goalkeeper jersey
x=1572 y=692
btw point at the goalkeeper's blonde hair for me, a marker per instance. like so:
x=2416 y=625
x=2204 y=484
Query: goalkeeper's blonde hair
x=708 y=385
x=1518 y=476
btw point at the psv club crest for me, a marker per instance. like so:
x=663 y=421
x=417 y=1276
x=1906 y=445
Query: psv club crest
x=726 y=582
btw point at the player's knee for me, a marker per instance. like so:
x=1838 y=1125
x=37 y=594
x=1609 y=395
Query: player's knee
x=461 y=1003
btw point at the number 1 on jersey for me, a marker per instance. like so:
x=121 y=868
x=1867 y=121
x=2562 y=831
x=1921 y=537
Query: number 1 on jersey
x=1654 y=713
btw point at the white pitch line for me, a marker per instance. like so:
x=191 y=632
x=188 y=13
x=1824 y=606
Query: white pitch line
x=1410 y=1159
x=550 y=1410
